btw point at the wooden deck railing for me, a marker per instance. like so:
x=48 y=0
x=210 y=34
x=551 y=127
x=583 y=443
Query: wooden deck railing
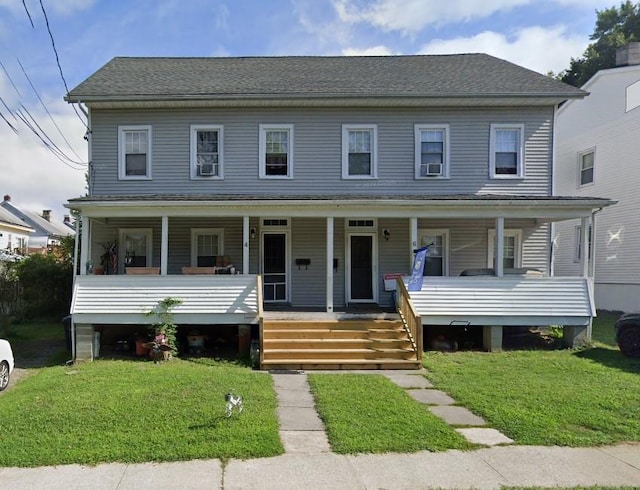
x=260 y=320
x=410 y=317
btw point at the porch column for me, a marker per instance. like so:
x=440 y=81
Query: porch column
x=330 y=264
x=245 y=245
x=584 y=247
x=498 y=263
x=164 y=246
x=413 y=239
x=84 y=248
x=592 y=240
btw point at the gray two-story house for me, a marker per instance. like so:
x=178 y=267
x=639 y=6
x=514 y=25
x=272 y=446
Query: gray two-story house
x=260 y=190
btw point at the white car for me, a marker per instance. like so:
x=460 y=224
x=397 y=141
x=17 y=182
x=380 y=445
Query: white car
x=6 y=363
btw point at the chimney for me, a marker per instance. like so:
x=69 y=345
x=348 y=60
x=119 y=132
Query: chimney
x=46 y=214
x=628 y=55
x=7 y=197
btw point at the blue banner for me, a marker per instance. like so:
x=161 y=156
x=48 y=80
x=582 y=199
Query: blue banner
x=417 y=272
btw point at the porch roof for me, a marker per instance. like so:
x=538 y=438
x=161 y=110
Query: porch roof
x=546 y=208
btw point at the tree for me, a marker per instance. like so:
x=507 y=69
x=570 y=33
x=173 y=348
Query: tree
x=615 y=27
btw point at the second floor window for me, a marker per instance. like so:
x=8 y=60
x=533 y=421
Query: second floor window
x=432 y=151
x=506 y=151
x=276 y=151
x=586 y=161
x=206 y=151
x=134 y=152
x=359 y=158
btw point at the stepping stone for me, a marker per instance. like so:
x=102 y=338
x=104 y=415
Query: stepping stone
x=457 y=415
x=295 y=441
x=431 y=397
x=485 y=436
x=409 y=380
x=299 y=418
x=295 y=398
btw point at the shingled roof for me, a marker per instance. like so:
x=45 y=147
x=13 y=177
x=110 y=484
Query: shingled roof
x=424 y=76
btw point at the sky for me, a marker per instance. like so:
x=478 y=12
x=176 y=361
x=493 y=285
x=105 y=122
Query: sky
x=542 y=35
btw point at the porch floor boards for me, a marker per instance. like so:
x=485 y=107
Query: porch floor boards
x=319 y=341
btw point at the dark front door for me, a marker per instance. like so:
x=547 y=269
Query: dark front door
x=274 y=266
x=361 y=270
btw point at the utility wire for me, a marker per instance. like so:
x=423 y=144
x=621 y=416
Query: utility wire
x=53 y=44
x=10 y=80
x=28 y=14
x=8 y=123
x=47 y=111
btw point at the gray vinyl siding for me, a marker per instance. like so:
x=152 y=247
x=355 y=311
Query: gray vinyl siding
x=317 y=162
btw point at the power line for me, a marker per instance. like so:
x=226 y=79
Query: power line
x=47 y=111
x=10 y=80
x=8 y=123
x=53 y=44
x=28 y=14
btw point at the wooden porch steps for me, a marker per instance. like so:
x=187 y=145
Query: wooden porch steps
x=337 y=344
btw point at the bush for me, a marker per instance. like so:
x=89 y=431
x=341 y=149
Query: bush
x=46 y=285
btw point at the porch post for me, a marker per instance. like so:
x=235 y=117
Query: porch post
x=592 y=239
x=584 y=247
x=84 y=248
x=245 y=245
x=413 y=238
x=164 y=246
x=329 y=264
x=499 y=252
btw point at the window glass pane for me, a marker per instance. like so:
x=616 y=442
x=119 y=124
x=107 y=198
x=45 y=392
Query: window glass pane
x=586 y=168
x=360 y=141
x=507 y=140
x=276 y=164
x=434 y=265
x=359 y=164
x=506 y=163
x=207 y=142
x=135 y=164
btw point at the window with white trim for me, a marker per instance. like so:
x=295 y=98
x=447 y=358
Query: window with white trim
x=134 y=152
x=437 y=261
x=206 y=151
x=577 y=247
x=431 y=151
x=276 y=151
x=206 y=246
x=359 y=151
x=586 y=162
x=135 y=247
x=512 y=249
x=506 y=151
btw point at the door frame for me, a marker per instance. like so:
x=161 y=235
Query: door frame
x=374 y=265
x=287 y=261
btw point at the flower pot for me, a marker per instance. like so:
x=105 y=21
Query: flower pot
x=141 y=349
x=98 y=271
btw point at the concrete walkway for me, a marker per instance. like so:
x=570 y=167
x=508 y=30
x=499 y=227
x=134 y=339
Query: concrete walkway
x=309 y=464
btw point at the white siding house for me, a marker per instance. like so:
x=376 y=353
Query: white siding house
x=598 y=154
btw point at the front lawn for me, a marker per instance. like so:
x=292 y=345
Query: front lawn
x=136 y=411
x=564 y=397
x=367 y=413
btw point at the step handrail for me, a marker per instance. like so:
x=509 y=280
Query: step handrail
x=409 y=316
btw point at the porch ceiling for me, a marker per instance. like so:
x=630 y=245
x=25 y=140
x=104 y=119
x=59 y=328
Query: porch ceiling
x=543 y=208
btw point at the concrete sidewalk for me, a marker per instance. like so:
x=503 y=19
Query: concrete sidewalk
x=488 y=468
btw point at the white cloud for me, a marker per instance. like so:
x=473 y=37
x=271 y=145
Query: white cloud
x=538 y=48
x=411 y=16
x=373 y=51
x=31 y=175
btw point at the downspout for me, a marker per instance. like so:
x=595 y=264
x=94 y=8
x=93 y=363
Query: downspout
x=552 y=229
x=592 y=262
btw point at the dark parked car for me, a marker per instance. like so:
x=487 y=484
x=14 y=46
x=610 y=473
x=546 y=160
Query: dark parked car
x=628 y=334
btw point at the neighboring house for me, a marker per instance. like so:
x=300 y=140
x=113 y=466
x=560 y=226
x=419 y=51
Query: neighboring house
x=313 y=178
x=14 y=236
x=46 y=231
x=597 y=154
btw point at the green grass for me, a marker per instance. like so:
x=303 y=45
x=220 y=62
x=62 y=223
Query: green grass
x=366 y=413
x=133 y=411
x=565 y=397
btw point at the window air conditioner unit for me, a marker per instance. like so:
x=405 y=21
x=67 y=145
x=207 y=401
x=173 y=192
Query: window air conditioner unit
x=432 y=170
x=206 y=169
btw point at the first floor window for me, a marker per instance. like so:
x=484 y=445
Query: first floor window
x=577 y=249
x=432 y=151
x=135 y=247
x=506 y=151
x=206 y=151
x=206 y=246
x=587 y=160
x=359 y=159
x=436 y=263
x=276 y=151
x=134 y=152
x=511 y=251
